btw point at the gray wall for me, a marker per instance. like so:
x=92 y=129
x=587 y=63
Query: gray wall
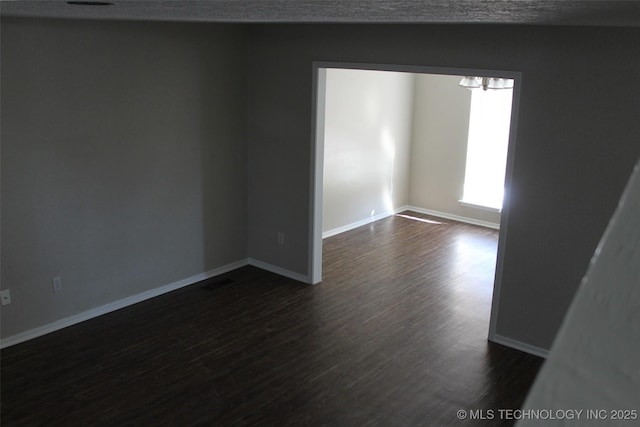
x=577 y=140
x=439 y=147
x=123 y=160
x=367 y=141
x=113 y=177
x=593 y=363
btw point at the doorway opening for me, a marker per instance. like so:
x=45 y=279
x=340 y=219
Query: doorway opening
x=394 y=106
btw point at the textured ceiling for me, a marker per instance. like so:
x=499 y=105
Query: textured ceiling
x=534 y=12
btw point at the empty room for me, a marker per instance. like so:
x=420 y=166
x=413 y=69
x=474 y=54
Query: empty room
x=162 y=259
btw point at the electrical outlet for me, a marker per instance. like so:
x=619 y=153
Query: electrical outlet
x=5 y=297
x=57 y=283
x=280 y=238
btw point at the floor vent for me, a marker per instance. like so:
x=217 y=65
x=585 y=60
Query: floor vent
x=214 y=285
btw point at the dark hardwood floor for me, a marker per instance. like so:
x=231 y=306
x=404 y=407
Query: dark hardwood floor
x=395 y=335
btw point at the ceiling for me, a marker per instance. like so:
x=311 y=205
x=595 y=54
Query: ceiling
x=528 y=12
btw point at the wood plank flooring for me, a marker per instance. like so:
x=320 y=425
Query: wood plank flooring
x=395 y=335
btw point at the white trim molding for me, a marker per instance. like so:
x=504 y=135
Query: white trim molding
x=455 y=217
x=116 y=305
x=279 y=270
x=519 y=345
x=481 y=207
x=362 y=222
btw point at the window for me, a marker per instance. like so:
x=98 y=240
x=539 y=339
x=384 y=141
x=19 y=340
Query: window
x=489 y=123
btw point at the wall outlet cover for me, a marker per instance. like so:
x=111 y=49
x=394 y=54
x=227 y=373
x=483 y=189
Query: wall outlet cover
x=5 y=297
x=56 y=283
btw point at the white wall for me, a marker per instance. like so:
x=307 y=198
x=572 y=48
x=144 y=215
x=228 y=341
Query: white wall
x=439 y=147
x=391 y=140
x=123 y=161
x=366 y=145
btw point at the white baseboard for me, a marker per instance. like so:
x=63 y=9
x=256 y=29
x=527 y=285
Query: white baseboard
x=454 y=217
x=116 y=305
x=280 y=271
x=362 y=222
x=519 y=345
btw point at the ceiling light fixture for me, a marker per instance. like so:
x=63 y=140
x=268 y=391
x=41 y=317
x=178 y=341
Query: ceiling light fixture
x=471 y=82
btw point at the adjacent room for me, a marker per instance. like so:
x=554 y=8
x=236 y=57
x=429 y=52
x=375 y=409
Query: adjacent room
x=411 y=144
x=403 y=140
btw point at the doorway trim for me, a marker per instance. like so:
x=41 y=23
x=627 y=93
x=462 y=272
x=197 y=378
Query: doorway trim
x=319 y=76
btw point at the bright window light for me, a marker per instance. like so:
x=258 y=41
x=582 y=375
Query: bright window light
x=487 y=144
